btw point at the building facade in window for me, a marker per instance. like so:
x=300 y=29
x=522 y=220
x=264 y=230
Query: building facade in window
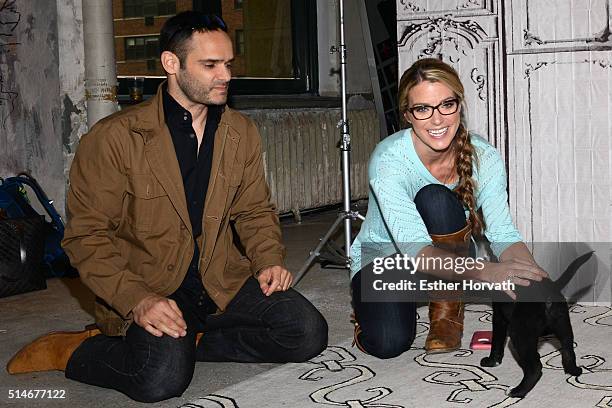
x=265 y=34
x=239 y=43
x=144 y=8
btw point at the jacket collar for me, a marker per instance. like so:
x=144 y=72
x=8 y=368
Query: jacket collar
x=159 y=151
x=152 y=120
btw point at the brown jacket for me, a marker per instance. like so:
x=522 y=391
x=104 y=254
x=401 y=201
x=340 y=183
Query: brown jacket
x=128 y=230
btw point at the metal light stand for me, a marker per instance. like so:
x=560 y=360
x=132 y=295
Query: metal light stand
x=346 y=214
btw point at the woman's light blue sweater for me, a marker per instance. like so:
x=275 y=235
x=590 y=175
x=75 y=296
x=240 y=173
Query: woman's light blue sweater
x=396 y=174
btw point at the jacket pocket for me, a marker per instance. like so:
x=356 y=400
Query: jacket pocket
x=235 y=177
x=145 y=195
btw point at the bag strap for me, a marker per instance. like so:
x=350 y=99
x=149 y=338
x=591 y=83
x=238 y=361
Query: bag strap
x=384 y=221
x=27 y=179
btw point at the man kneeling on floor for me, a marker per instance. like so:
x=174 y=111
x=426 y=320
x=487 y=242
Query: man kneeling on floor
x=158 y=194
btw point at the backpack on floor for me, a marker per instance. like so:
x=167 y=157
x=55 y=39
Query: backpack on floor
x=15 y=203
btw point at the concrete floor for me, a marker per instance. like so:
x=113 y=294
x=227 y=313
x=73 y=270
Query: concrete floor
x=66 y=305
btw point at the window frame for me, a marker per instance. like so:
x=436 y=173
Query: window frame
x=145 y=39
x=239 y=42
x=141 y=5
x=305 y=62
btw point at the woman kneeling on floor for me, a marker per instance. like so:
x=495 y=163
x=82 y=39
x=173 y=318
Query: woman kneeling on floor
x=427 y=185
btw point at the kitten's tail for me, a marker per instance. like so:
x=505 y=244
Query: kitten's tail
x=571 y=270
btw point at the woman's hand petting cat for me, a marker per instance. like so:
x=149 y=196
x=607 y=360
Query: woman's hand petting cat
x=517 y=271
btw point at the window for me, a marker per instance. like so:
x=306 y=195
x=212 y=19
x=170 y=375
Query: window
x=137 y=48
x=142 y=8
x=239 y=43
x=165 y=8
x=274 y=44
x=276 y=47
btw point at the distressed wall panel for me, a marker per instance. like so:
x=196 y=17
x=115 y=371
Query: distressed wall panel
x=72 y=78
x=558 y=26
x=544 y=94
x=30 y=114
x=407 y=9
x=464 y=34
x=559 y=126
x=302 y=159
x=560 y=146
x=559 y=134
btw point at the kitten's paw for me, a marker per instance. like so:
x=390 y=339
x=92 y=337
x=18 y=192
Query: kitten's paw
x=575 y=371
x=490 y=362
x=517 y=392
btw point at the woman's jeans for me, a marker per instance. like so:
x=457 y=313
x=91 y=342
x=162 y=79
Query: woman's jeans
x=282 y=327
x=389 y=328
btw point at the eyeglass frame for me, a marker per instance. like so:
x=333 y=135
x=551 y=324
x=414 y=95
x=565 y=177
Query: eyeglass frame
x=434 y=108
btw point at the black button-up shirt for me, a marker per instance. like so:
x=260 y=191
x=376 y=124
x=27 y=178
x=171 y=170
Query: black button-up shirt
x=195 y=168
x=195 y=165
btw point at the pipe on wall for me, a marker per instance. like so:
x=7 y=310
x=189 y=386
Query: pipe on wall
x=100 y=72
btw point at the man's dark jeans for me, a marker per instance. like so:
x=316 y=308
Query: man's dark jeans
x=284 y=327
x=389 y=328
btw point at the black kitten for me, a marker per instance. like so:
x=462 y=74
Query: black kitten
x=525 y=322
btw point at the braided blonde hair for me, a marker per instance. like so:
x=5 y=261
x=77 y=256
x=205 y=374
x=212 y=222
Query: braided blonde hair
x=434 y=70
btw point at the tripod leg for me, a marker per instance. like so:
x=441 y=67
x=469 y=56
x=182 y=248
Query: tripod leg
x=317 y=251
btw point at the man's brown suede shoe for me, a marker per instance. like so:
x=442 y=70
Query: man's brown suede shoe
x=52 y=351
x=49 y=352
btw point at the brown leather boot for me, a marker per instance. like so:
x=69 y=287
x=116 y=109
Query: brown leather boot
x=445 y=327
x=446 y=316
x=356 y=333
x=49 y=352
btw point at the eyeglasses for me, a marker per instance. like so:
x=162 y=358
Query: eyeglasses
x=208 y=22
x=422 y=112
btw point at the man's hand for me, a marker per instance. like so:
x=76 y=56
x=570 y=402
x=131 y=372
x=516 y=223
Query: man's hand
x=274 y=279
x=159 y=315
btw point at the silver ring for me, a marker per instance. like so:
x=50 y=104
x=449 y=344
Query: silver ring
x=510 y=278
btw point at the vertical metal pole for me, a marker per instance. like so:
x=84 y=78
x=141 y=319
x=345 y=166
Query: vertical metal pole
x=100 y=72
x=345 y=147
x=346 y=143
